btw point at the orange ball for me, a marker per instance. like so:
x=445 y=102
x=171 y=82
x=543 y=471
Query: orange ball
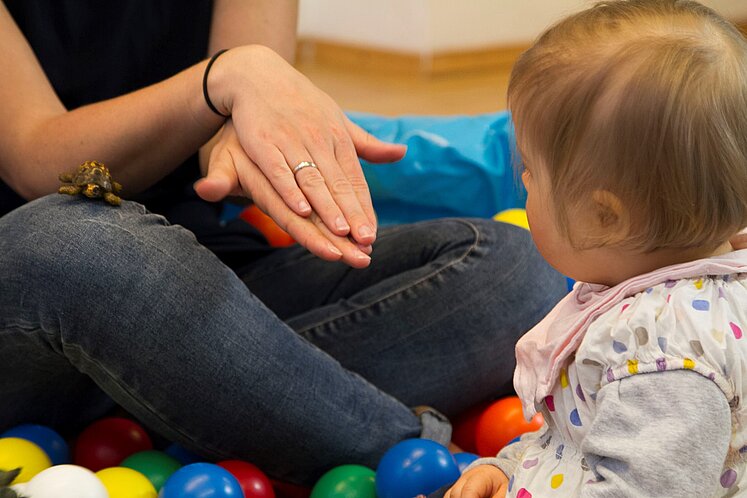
x=502 y=422
x=276 y=236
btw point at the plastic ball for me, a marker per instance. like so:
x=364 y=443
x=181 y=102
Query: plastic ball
x=276 y=236
x=346 y=481
x=154 y=465
x=19 y=453
x=182 y=454
x=121 y=482
x=65 y=481
x=516 y=216
x=465 y=425
x=500 y=423
x=108 y=441
x=413 y=467
x=254 y=483
x=45 y=438
x=464 y=459
x=199 y=480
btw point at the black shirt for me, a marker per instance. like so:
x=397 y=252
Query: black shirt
x=92 y=50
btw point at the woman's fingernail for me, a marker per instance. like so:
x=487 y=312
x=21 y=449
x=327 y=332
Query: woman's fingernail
x=341 y=223
x=304 y=207
x=362 y=257
x=365 y=231
x=335 y=250
x=366 y=249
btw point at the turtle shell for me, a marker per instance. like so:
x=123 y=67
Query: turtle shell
x=91 y=174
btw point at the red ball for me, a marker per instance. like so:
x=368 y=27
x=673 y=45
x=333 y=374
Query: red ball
x=465 y=425
x=254 y=483
x=288 y=490
x=502 y=422
x=108 y=441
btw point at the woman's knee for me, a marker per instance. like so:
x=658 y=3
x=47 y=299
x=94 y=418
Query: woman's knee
x=58 y=245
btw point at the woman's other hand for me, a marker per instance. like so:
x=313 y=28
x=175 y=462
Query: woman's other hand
x=232 y=172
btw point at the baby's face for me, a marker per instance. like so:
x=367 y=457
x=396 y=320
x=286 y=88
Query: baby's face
x=553 y=245
x=587 y=265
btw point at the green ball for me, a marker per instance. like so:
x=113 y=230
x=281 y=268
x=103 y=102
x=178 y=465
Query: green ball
x=155 y=465
x=346 y=481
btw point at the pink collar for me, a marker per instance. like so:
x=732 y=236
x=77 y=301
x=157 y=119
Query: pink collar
x=542 y=351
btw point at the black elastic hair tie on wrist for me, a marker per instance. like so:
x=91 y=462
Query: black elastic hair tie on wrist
x=205 y=80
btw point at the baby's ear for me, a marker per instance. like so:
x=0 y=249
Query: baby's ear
x=611 y=217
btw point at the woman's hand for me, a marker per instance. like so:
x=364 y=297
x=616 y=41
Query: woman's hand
x=282 y=119
x=484 y=481
x=231 y=172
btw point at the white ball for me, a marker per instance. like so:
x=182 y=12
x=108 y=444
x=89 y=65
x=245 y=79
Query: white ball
x=20 y=488
x=65 y=481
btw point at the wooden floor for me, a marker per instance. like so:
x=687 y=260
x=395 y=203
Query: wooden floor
x=395 y=93
x=377 y=92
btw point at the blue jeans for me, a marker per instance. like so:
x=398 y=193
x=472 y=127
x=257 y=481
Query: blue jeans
x=289 y=362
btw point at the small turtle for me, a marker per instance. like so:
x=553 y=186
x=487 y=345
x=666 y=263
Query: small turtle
x=93 y=180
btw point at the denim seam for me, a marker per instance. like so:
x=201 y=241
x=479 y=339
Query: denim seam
x=402 y=289
x=127 y=390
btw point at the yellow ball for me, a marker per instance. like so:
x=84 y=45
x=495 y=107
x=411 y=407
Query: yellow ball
x=122 y=482
x=516 y=216
x=20 y=453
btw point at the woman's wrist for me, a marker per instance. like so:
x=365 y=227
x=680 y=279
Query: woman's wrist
x=205 y=77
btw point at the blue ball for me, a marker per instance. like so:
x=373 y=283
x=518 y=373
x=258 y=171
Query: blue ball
x=182 y=455
x=413 y=467
x=464 y=459
x=200 y=480
x=45 y=438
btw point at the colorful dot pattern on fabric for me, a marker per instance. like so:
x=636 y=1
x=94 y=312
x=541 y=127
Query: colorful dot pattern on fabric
x=559 y=452
x=736 y=330
x=633 y=366
x=619 y=347
x=556 y=481
x=633 y=338
x=550 y=403
x=728 y=478
x=575 y=418
x=701 y=305
x=663 y=343
x=580 y=392
x=641 y=336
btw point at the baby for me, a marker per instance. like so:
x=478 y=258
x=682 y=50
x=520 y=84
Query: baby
x=631 y=120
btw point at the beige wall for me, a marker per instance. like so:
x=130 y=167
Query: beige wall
x=428 y=26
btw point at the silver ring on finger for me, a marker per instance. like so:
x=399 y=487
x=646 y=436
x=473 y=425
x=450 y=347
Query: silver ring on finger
x=302 y=165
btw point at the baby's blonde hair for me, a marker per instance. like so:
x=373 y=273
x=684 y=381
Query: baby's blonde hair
x=646 y=99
